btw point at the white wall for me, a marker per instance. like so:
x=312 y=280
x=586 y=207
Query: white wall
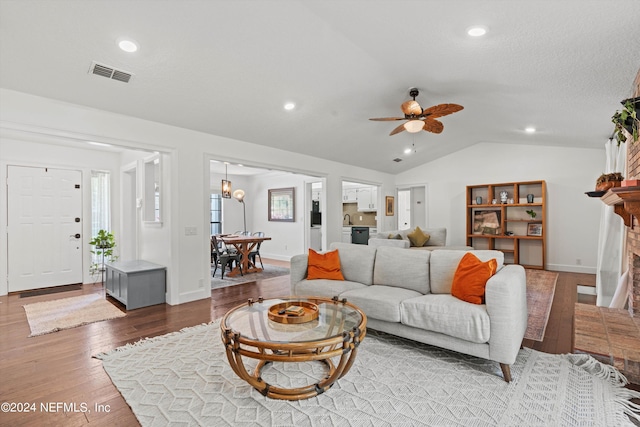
x=287 y=238
x=187 y=166
x=572 y=218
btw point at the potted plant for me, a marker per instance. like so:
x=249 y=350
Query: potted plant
x=104 y=244
x=532 y=213
x=626 y=120
x=608 y=180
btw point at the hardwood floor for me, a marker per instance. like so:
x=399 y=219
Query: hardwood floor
x=59 y=367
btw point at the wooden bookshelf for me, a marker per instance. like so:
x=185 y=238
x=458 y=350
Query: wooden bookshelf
x=510 y=227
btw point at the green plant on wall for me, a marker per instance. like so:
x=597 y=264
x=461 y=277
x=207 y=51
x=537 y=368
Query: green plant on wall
x=104 y=244
x=627 y=120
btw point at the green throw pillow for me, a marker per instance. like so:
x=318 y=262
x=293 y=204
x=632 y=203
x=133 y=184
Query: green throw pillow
x=418 y=237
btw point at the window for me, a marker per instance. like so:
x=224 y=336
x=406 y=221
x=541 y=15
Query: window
x=100 y=204
x=152 y=188
x=216 y=214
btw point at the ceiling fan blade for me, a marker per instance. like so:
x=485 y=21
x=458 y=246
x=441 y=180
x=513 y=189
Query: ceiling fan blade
x=411 y=108
x=441 y=110
x=397 y=130
x=432 y=125
x=387 y=119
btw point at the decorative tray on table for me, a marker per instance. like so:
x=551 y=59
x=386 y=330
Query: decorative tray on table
x=293 y=312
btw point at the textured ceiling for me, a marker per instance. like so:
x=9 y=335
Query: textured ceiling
x=227 y=68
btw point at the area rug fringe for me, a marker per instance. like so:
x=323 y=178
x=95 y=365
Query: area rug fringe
x=608 y=373
x=149 y=341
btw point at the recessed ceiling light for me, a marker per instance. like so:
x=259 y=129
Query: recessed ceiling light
x=530 y=129
x=99 y=144
x=407 y=151
x=128 y=46
x=289 y=106
x=477 y=31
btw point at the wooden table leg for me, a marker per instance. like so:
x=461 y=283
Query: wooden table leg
x=247 y=267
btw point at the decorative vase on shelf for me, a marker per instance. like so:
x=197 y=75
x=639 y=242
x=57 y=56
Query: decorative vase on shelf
x=529 y=198
x=504 y=196
x=478 y=200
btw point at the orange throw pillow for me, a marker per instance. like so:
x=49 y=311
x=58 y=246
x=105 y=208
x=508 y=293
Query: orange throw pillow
x=324 y=266
x=471 y=277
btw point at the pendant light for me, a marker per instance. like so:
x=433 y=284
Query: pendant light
x=226 y=184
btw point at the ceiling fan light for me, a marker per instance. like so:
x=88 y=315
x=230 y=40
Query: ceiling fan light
x=414 y=126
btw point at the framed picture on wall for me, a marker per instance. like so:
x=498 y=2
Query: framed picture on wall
x=282 y=204
x=388 y=203
x=534 y=229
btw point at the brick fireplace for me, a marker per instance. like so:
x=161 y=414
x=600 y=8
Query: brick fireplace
x=608 y=334
x=633 y=232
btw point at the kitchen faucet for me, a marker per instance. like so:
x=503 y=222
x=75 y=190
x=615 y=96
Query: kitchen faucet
x=345 y=217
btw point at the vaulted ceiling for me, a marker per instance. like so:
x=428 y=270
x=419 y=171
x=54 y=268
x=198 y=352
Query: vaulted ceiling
x=227 y=67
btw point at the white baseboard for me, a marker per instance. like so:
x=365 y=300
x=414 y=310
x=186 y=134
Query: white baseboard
x=192 y=296
x=572 y=268
x=276 y=256
x=587 y=290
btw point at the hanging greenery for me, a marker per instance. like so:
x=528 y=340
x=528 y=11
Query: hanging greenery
x=626 y=120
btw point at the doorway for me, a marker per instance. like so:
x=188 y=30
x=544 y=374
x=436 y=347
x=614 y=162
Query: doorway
x=412 y=207
x=45 y=224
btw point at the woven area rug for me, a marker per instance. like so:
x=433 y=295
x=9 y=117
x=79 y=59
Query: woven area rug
x=51 y=316
x=268 y=272
x=184 y=378
x=541 y=287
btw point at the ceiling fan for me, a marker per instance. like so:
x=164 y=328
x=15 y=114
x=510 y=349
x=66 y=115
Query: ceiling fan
x=419 y=119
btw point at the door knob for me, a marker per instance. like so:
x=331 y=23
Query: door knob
x=77 y=235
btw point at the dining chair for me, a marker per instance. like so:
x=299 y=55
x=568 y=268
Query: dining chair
x=252 y=254
x=223 y=258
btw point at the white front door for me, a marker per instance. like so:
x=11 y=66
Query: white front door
x=44 y=227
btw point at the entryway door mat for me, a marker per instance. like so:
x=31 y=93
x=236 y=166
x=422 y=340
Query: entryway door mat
x=184 y=378
x=55 y=315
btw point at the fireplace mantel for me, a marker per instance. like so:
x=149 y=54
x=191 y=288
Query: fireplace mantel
x=625 y=202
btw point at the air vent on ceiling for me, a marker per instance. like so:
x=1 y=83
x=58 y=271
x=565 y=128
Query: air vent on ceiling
x=397 y=159
x=110 y=72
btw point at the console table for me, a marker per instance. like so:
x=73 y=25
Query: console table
x=136 y=283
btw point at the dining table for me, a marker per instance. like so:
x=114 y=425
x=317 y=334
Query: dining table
x=244 y=245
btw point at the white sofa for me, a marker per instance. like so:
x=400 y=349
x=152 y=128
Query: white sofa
x=408 y=293
x=437 y=240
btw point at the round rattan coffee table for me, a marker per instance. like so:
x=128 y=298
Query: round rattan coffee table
x=262 y=330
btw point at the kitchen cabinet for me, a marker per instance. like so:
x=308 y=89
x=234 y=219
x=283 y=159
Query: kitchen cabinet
x=349 y=195
x=367 y=199
x=315 y=236
x=346 y=234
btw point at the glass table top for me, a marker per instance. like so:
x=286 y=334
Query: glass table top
x=252 y=321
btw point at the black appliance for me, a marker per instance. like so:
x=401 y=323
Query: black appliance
x=316 y=218
x=360 y=235
x=315 y=206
